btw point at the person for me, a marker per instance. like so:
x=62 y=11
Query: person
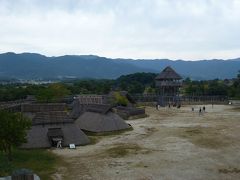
x=200 y=111
x=204 y=108
x=169 y=105
x=59 y=144
x=192 y=108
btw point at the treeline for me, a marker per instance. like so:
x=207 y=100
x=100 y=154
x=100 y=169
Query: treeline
x=136 y=83
x=133 y=83
x=230 y=88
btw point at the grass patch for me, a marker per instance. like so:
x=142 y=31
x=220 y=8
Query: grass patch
x=230 y=170
x=206 y=137
x=121 y=150
x=40 y=161
x=140 y=165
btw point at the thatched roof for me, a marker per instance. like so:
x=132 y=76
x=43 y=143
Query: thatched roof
x=37 y=136
x=54 y=117
x=99 y=108
x=43 y=107
x=168 y=73
x=129 y=111
x=97 y=122
x=79 y=109
x=54 y=132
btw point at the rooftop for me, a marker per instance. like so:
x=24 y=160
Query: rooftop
x=168 y=73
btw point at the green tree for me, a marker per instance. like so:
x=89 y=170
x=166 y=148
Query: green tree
x=52 y=93
x=149 y=90
x=13 y=131
x=187 y=81
x=135 y=83
x=119 y=99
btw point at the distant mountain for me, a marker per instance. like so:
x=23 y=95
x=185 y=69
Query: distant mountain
x=32 y=66
x=203 y=69
x=36 y=66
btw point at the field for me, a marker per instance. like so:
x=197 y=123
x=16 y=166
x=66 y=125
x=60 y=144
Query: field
x=169 y=144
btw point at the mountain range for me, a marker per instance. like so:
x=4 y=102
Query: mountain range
x=37 y=66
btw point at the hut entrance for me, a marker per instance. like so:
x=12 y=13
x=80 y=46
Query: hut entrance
x=55 y=136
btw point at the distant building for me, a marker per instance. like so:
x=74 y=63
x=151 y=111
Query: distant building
x=168 y=82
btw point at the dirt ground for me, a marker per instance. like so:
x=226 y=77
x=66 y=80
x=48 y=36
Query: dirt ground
x=169 y=144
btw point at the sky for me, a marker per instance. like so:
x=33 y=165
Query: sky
x=138 y=29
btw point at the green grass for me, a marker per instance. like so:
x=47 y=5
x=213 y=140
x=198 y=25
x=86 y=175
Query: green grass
x=41 y=162
x=123 y=150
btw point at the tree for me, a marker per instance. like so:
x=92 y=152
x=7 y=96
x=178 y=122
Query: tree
x=52 y=93
x=135 y=83
x=187 y=81
x=119 y=99
x=149 y=90
x=235 y=88
x=13 y=131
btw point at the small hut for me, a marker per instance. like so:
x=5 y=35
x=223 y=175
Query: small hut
x=48 y=128
x=99 y=118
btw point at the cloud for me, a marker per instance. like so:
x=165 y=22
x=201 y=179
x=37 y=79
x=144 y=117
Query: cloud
x=176 y=29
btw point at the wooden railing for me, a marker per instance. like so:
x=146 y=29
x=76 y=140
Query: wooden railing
x=168 y=83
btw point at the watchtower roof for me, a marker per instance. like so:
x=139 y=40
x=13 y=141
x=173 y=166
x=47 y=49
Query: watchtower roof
x=168 y=73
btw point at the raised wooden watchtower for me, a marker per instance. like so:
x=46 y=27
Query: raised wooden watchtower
x=168 y=83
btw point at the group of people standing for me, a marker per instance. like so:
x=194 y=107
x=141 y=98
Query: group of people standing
x=201 y=110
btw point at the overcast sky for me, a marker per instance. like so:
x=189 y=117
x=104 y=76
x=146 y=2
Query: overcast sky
x=174 y=29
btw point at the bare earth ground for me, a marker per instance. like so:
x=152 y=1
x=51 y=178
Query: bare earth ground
x=169 y=144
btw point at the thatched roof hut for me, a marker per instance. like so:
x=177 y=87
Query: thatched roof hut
x=38 y=136
x=168 y=73
x=101 y=121
x=47 y=126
